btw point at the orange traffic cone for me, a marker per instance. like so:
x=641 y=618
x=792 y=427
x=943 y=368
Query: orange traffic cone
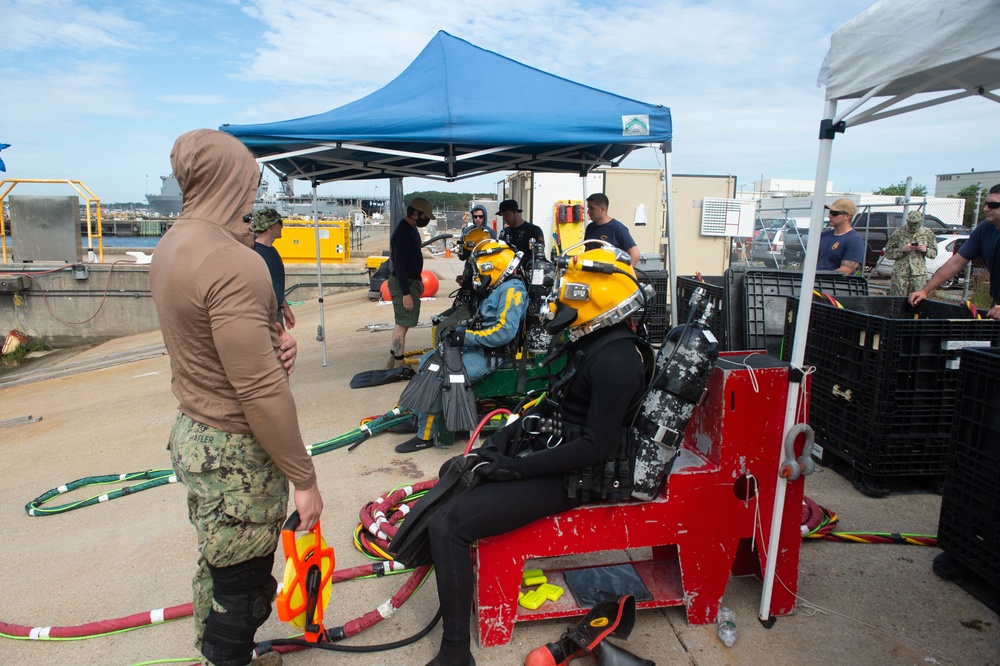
x=447 y=251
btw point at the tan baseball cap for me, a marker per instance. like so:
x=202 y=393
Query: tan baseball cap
x=844 y=206
x=424 y=206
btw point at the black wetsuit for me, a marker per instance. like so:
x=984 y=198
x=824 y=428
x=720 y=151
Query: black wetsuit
x=604 y=390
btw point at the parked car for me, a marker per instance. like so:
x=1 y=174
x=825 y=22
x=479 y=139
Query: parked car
x=876 y=227
x=769 y=245
x=947 y=245
x=794 y=252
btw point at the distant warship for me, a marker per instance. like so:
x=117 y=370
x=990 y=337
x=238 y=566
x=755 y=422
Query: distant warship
x=168 y=202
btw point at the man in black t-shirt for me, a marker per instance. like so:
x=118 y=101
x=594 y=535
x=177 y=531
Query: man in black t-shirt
x=518 y=233
x=405 y=284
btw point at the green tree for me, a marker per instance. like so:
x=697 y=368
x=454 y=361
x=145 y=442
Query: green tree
x=899 y=189
x=969 y=194
x=448 y=200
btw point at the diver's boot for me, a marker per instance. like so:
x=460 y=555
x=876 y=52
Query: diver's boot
x=453 y=654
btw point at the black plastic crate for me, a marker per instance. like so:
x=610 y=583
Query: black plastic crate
x=715 y=292
x=765 y=294
x=969 y=527
x=658 y=317
x=886 y=380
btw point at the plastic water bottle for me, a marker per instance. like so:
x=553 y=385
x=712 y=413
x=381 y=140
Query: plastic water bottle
x=726 y=622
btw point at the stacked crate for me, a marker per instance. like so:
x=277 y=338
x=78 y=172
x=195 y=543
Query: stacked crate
x=886 y=381
x=969 y=529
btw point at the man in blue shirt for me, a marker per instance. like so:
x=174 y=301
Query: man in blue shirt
x=983 y=243
x=604 y=227
x=841 y=248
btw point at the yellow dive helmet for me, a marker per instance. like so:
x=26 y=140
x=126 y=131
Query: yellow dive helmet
x=594 y=289
x=493 y=262
x=471 y=239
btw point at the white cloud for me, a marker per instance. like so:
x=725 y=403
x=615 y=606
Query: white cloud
x=30 y=25
x=193 y=98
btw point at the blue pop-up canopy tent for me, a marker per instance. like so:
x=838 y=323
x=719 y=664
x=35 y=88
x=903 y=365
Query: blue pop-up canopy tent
x=434 y=121
x=460 y=111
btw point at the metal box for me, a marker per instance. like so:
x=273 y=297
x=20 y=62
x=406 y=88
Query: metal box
x=46 y=228
x=14 y=283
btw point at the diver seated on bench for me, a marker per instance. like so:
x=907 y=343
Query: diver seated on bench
x=470 y=351
x=570 y=449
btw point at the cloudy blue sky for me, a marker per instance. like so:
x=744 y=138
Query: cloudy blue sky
x=98 y=91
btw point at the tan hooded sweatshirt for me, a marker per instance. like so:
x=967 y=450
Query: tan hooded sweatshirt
x=216 y=305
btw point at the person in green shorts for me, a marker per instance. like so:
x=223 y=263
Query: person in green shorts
x=405 y=285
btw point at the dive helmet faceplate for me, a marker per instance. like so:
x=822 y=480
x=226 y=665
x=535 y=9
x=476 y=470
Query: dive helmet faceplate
x=493 y=262
x=593 y=290
x=471 y=239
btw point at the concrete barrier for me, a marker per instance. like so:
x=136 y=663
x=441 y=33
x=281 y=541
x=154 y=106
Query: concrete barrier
x=71 y=304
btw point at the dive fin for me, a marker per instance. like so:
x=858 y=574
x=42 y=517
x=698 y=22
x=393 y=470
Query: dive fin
x=370 y=378
x=458 y=402
x=607 y=653
x=411 y=545
x=421 y=394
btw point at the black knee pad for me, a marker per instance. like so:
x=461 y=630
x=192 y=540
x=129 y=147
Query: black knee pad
x=244 y=591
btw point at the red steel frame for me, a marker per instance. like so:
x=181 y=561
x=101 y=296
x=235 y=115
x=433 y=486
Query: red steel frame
x=701 y=529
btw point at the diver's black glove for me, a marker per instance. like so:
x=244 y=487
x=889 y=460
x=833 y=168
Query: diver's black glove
x=455 y=338
x=496 y=466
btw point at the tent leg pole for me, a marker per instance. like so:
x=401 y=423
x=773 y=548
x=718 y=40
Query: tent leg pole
x=798 y=355
x=668 y=178
x=321 y=328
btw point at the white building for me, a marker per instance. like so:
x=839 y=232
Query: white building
x=949 y=184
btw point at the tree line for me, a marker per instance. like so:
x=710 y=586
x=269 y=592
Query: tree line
x=449 y=200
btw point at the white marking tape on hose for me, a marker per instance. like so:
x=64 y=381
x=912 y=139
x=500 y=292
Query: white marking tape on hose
x=63 y=489
x=39 y=633
x=156 y=616
x=103 y=498
x=386 y=609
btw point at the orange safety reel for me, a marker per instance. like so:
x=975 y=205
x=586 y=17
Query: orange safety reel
x=306 y=586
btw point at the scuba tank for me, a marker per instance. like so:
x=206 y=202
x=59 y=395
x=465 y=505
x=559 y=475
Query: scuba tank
x=683 y=367
x=540 y=278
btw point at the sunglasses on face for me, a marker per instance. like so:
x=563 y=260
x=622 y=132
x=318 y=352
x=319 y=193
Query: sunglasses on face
x=993 y=205
x=480 y=217
x=835 y=213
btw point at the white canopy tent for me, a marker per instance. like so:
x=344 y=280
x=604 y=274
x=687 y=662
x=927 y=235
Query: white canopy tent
x=942 y=50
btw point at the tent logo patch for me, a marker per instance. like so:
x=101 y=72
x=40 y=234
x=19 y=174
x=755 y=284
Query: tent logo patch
x=637 y=125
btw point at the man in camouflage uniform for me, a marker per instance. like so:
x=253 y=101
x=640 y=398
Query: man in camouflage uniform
x=236 y=442
x=909 y=248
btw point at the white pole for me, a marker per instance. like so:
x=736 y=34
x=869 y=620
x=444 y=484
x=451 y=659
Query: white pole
x=798 y=352
x=321 y=329
x=668 y=178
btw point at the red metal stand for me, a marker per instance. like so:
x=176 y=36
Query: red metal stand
x=711 y=520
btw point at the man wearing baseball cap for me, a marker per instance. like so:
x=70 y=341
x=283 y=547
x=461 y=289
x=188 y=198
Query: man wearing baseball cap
x=841 y=248
x=517 y=232
x=405 y=285
x=266 y=225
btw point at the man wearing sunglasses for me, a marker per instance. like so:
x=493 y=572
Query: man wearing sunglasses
x=841 y=248
x=478 y=215
x=983 y=243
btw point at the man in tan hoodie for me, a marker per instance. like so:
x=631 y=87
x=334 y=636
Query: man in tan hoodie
x=236 y=442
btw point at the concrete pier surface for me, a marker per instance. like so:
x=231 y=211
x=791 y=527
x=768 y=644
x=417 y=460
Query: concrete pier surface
x=111 y=411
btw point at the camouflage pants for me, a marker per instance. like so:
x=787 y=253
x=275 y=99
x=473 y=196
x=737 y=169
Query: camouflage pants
x=236 y=496
x=905 y=284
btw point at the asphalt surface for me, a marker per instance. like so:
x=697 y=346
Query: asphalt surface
x=859 y=603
